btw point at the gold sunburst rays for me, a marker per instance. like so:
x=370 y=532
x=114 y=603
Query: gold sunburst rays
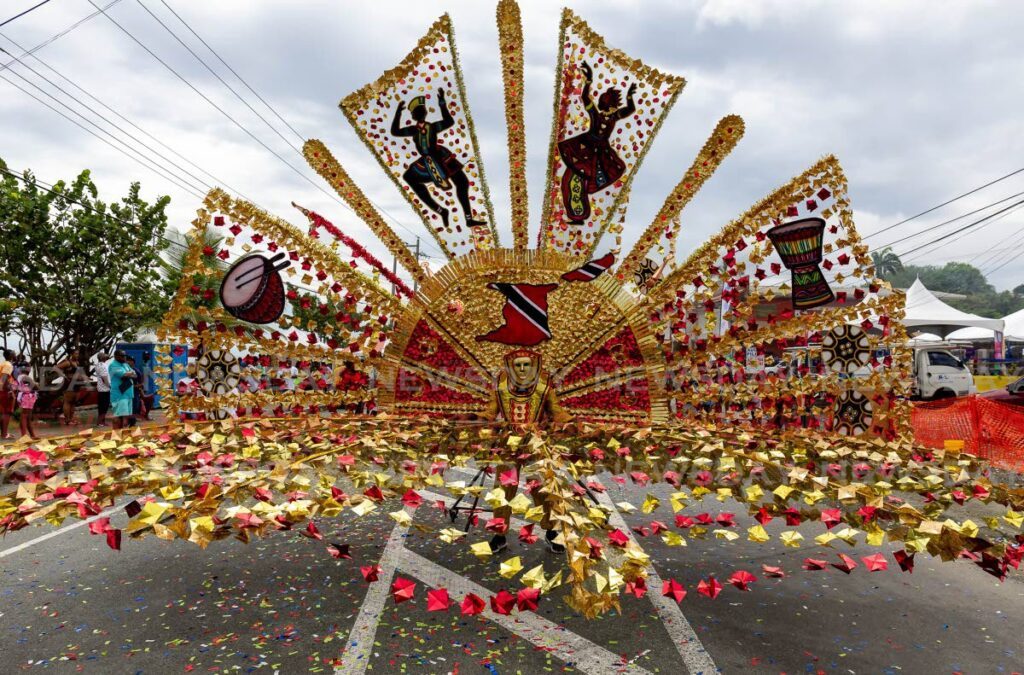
x=723 y=139
x=378 y=107
x=324 y=163
x=510 y=43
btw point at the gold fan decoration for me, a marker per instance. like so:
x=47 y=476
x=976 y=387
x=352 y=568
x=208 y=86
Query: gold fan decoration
x=717 y=374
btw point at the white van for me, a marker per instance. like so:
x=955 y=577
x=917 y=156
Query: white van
x=940 y=374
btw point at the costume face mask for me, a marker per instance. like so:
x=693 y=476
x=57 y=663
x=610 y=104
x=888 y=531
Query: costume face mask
x=523 y=371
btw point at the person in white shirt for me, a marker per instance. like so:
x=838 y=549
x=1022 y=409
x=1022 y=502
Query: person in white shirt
x=102 y=388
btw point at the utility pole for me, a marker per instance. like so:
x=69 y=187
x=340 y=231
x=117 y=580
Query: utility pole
x=417 y=253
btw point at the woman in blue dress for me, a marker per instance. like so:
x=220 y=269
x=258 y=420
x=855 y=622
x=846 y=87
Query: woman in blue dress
x=122 y=389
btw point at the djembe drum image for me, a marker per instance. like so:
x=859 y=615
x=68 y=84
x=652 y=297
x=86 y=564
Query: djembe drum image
x=252 y=290
x=799 y=245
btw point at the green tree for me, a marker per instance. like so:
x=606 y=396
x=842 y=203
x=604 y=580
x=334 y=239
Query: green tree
x=886 y=262
x=172 y=264
x=82 y=272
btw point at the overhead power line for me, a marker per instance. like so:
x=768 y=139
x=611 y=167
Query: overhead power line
x=233 y=71
x=51 y=189
x=65 y=31
x=195 y=181
x=963 y=229
x=299 y=136
x=947 y=222
x=945 y=203
x=188 y=189
x=210 y=101
x=18 y=16
x=988 y=223
x=121 y=117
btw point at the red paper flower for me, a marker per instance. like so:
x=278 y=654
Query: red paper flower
x=526 y=534
x=527 y=599
x=742 y=579
x=831 y=517
x=846 y=565
x=370 y=573
x=875 y=563
x=637 y=588
x=497 y=525
x=402 y=589
x=711 y=588
x=503 y=602
x=473 y=604
x=672 y=589
x=312 y=532
x=339 y=551
x=905 y=561
x=775 y=572
x=438 y=600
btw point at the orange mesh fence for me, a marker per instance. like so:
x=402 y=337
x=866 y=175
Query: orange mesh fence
x=987 y=428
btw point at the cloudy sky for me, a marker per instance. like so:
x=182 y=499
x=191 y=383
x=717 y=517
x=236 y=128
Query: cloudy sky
x=921 y=102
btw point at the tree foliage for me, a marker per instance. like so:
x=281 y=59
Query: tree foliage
x=953 y=277
x=80 y=272
x=886 y=262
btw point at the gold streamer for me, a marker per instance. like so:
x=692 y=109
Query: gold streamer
x=510 y=42
x=324 y=163
x=723 y=139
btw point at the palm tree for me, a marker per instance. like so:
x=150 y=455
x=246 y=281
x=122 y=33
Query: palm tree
x=173 y=262
x=886 y=262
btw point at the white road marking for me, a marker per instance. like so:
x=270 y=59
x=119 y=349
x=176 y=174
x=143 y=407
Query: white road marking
x=685 y=639
x=57 y=533
x=583 y=654
x=359 y=644
x=696 y=657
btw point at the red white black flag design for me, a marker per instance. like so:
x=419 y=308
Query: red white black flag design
x=525 y=313
x=592 y=269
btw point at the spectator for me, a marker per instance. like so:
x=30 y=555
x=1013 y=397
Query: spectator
x=8 y=386
x=27 y=395
x=122 y=376
x=102 y=388
x=138 y=406
x=69 y=372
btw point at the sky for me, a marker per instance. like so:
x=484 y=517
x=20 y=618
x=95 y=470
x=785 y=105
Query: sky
x=919 y=100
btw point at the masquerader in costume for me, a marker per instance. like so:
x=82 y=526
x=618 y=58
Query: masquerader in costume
x=437 y=165
x=591 y=162
x=524 y=397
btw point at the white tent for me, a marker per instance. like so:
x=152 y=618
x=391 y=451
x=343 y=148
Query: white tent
x=927 y=314
x=1014 y=330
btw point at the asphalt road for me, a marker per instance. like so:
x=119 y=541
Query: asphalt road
x=69 y=603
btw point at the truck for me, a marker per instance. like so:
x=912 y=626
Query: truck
x=938 y=373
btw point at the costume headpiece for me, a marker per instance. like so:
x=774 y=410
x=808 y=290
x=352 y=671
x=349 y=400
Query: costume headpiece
x=416 y=103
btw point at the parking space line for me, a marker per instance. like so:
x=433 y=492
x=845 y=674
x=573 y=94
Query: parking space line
x=571 y=648
x=692 y=651
x=696 y=657
x=56 y=533
x=359 y=644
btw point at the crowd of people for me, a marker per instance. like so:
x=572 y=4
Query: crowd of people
x=119 y=384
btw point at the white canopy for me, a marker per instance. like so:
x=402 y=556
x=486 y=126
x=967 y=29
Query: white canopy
x=1014 y=330
x=927 y=314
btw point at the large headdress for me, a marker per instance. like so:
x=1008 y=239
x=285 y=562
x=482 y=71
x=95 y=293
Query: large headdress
x=616 y=332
